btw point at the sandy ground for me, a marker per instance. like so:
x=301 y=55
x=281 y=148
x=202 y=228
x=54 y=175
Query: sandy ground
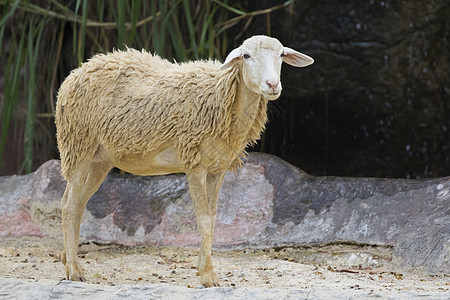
x=339 y=269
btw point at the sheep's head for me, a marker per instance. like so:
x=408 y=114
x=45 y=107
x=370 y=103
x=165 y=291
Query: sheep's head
x=260 y=58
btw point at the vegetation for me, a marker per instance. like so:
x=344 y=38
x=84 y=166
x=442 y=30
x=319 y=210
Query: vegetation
x=41 y=41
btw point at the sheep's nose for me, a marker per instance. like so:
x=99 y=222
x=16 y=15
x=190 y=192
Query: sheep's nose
x=273 y=85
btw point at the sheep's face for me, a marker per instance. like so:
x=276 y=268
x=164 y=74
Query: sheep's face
x=260 y=58
x=261 y=66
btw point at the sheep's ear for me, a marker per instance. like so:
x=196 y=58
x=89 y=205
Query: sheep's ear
x=231 y=58
x=295 y=58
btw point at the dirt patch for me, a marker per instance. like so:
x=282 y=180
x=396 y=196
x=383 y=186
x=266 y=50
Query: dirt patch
x=333 y=266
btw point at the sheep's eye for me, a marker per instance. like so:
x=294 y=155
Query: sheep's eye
x=246 y=56
x=282 y=54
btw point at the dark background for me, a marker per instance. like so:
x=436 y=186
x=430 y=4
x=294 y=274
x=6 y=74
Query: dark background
x=376 y=100
x=374 y=103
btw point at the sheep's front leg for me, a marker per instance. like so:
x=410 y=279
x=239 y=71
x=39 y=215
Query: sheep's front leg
x=213 y=184
x=201 y=193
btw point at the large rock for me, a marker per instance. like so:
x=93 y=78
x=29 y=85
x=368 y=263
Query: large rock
x=266 y=203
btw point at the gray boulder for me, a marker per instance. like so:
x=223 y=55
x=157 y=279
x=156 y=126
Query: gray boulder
x=266 y=203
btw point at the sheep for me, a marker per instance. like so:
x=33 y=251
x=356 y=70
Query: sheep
x=147 y=116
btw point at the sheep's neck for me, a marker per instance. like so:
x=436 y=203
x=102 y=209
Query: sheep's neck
x=245 y=111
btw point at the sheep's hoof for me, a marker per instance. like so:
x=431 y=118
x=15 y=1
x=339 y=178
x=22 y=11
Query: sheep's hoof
x=74 y=272
x=209 y=280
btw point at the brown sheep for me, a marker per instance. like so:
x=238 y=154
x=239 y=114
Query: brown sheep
x=147 y=116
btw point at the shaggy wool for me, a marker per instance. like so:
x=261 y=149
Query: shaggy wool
x=132 y=102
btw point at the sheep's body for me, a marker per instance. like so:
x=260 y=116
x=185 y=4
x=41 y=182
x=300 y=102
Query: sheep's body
x=147 y=116
x=134 y=104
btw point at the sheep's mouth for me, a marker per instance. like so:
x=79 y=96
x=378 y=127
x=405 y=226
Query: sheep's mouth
x=271 y=95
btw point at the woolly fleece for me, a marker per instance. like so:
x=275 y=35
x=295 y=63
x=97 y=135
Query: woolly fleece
x=132 y=102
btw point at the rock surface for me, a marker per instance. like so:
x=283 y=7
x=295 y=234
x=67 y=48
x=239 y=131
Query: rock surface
x=47 y=289
x=266 y=203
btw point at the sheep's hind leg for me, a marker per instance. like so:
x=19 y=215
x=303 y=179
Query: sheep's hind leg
x=205 y=220
x=78 y=192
